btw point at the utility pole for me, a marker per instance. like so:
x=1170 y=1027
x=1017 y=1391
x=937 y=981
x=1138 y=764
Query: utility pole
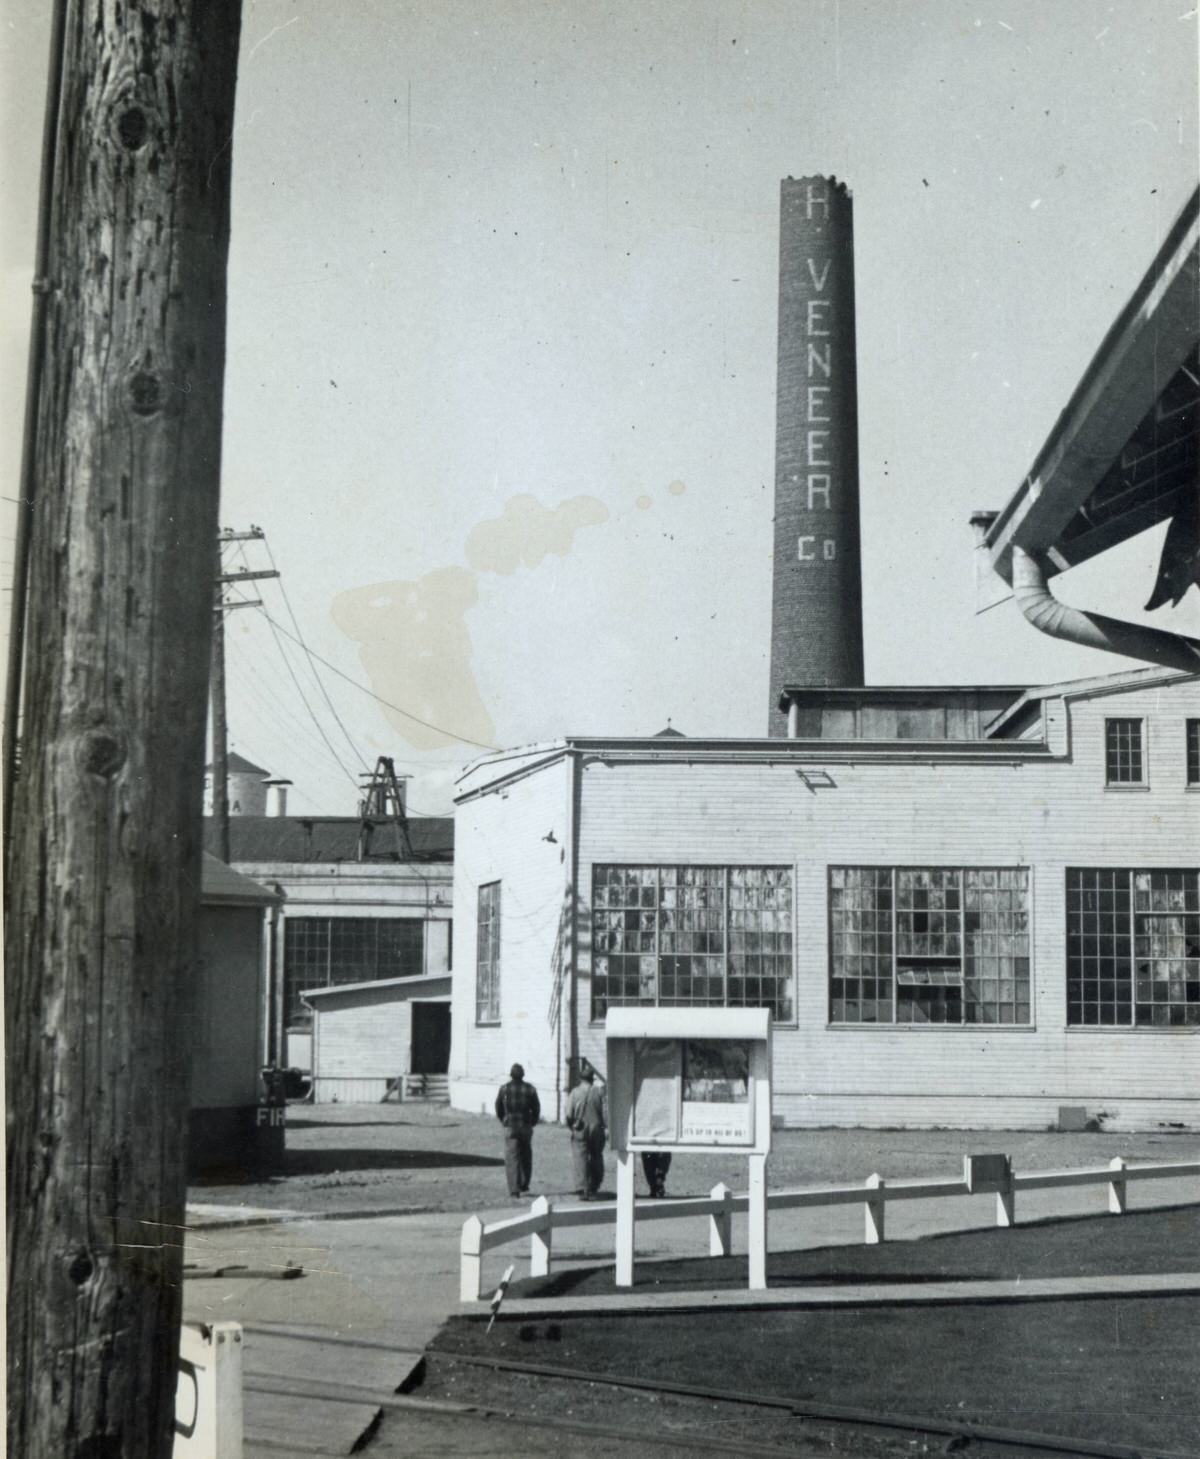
x=104 y=855
x=220 y=723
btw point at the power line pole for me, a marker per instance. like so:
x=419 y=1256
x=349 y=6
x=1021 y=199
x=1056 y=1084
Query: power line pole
x=220 y=723
x=104 y=864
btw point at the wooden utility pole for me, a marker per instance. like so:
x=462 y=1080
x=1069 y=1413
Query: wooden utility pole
x=104 y=861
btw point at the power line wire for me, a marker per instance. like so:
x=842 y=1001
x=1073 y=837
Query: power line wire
x=301 y=742
x=276 y=630
x=441 y=730
x=312 y=668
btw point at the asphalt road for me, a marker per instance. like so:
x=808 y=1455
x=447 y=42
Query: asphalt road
x=381 y=1192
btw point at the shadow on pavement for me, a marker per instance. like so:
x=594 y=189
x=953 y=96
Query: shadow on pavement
x=318 y=1124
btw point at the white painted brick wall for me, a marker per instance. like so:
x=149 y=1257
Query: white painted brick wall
x=1045 y=815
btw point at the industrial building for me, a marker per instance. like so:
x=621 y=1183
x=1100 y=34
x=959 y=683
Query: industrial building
x=366 y=900
x=971 y=906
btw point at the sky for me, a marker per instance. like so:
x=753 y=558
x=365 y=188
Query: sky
x=500 y=385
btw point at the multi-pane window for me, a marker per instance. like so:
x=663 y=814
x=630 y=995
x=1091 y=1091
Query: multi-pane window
x=929 y=944
x=1123 y=756
x=679 y=936
x=327 y=952
x=1133 y=947
x=487 y=955
x=1192 y=735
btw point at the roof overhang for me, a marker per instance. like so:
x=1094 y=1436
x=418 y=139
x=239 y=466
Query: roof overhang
x=221 y=886
x=1123 y=454
x=416 y=987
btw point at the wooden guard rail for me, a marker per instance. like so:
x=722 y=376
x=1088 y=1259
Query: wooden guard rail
x=544 y=1217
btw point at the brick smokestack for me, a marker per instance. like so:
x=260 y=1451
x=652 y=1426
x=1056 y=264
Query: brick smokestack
x=816 y=613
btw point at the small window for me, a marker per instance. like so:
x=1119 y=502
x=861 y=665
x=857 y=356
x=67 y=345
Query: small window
x=487 y=964
x=1193 y=752
x=1124 y=761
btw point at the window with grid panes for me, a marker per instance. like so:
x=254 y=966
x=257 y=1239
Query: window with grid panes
x=487 y=955
x=679 y=936
x=328 y=952
x=1123 y=758
x=1192 y=750
x=929 y=945
x=1133 y=947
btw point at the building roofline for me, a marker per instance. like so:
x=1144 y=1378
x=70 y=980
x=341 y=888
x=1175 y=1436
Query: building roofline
x=421 y=980
x=222 y=886
x=717 y=749
x=1095 y=686
x=649 y=749
x=849 y=691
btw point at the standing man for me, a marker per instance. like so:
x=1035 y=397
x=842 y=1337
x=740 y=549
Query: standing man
x=518 y=1110
x=586 y=1122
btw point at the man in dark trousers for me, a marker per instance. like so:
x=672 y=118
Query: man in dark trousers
x=518 y=1110
x=655 y=1164
x=586 y=1122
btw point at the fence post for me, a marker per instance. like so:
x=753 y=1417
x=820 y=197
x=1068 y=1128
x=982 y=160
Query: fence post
x=1006 y=1201
x=470 y=1276
x=720 y=1225
x=1116 y=1188
x=208 y=1401
x=539 y=1241
x=626 y=1217
x=756 y=1225
x=874 y=1211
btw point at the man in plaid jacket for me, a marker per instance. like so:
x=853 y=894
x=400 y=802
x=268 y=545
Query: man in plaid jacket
x=518 y=1110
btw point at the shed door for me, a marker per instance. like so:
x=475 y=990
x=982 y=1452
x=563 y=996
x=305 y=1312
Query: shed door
x=430 y=1038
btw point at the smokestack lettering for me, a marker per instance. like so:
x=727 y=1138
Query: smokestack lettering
x=816 y=628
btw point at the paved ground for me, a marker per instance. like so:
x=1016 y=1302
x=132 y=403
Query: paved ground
x=378 y=1286
x=388 y=1157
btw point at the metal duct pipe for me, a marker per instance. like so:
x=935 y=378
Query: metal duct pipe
x=1048 y=615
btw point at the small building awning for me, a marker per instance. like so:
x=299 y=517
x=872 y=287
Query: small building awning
x=425 y=985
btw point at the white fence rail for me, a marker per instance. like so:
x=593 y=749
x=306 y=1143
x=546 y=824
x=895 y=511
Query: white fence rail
x=874 y=1195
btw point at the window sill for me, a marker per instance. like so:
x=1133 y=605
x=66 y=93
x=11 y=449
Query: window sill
x=598 y=1023
x=1092 y=1029
x=1123 y=787
x=1005 y=1028
x=491 y=1023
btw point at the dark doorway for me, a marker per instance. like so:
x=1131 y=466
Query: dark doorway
x=430 y=1038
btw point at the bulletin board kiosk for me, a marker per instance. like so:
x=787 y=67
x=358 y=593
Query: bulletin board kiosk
x=690 y=1079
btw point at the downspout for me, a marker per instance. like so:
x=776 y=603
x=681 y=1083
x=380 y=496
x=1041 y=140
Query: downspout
x=1094 y=630
x=571 y=971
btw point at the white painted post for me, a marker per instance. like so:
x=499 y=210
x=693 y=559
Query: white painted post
x=720 y=1225
x=539 y=1241
x=1116 y=1188
x=208 y=1393
x=1006 y=1202
x=470 y=1277
x=874 y=1209
x=757 y=1232
x=625 y=1219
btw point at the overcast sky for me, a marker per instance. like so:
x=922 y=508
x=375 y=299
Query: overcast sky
x=501 y=373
